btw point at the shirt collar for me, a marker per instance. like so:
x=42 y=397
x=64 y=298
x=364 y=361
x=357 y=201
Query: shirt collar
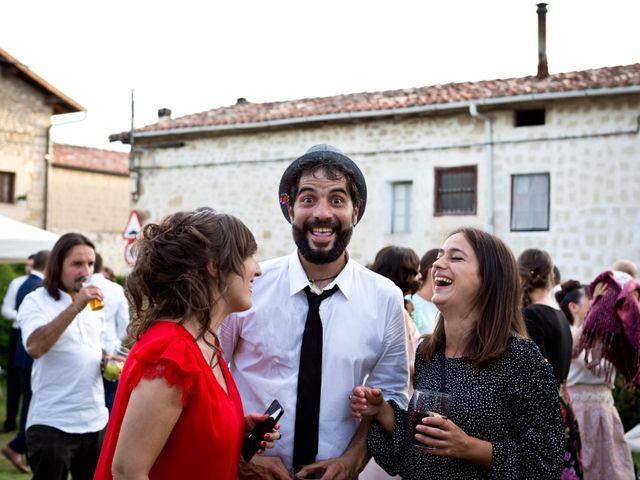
x=37 y=274
x=298 y=278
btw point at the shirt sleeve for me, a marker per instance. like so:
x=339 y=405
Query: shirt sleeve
x=31 y=317
x=122 y=316
x=391 y=371
x=535 y=450
x=228 y=334
x=9 y=302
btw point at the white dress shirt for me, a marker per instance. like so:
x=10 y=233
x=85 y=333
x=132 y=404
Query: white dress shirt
x=116 y=312
x=9 y=310
x=66 y=381
x=363 y=337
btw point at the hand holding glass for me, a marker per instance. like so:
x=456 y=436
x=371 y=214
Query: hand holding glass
x=427 y=403
x=94 y=303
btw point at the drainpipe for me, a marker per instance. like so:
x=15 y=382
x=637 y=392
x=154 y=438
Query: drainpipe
x=488 y=164
x=47 y=163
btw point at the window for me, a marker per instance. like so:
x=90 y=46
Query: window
x=530 y=117
x=7 y=182
x=530 y=202
x=456 y=190
x=400 y=207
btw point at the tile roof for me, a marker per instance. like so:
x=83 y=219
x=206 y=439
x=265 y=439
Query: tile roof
x=247 y=112
x=60 y=103
x=93 y=159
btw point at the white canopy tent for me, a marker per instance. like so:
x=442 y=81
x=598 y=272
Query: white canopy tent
x=19 y=240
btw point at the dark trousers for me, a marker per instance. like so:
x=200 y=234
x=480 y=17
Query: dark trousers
x=52 y=453
x=19 y=443
x=13 y=386
x=109 y=393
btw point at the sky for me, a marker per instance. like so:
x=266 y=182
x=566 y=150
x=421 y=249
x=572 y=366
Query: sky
x=192 y=56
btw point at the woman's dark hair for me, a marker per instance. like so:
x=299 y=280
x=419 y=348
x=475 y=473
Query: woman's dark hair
x=171 y=278
x=571 y=291
x=400 y=265
x=59 y=252
x=426 y=261
x=498 y=301
x=536 y=271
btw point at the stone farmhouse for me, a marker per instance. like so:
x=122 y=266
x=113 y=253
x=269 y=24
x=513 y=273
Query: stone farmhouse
x=546 y=161
x=60 y=188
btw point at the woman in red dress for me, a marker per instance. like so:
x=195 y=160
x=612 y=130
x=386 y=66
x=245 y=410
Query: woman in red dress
x=177 y=412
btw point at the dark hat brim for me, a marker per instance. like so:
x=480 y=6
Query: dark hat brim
x=315 y=155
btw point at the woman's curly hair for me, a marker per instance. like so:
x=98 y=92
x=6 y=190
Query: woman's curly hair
x=171 y=278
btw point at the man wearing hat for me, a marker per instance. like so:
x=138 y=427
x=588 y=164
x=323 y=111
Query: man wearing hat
x=320 y=324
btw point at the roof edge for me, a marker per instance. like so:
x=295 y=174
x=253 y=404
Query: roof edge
x=125 y=137
x=65 y=104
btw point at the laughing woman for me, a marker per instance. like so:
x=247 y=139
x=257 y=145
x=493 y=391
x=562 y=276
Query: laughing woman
x=177 y=412
x=504 y=417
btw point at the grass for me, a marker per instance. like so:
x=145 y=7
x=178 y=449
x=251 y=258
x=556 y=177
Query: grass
x=7 y=470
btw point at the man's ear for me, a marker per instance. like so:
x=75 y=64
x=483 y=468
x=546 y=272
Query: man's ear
x=290 y=210
x=355 y=216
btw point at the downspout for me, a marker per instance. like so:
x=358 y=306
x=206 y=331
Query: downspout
x=47 y=160
x=47 y=163
x=488 y=165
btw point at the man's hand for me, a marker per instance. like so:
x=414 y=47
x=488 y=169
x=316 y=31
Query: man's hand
x=267 y=468
x=345 y=467
x=85 y=295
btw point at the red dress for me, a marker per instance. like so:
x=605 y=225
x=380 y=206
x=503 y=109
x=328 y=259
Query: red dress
x=205 y=441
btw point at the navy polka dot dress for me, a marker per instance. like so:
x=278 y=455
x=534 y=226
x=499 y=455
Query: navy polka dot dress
x=512 y=403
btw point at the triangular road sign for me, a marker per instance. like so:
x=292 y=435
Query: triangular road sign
x=134 y=226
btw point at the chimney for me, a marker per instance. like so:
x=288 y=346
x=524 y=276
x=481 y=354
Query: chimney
x=164 y=114
x=543 y=68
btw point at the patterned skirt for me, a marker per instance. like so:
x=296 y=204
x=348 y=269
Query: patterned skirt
x=572 y=467
x=605 y=454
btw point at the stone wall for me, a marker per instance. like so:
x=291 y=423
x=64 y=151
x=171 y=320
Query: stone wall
x=95 y=204
x=589 y=147
x=24 y=120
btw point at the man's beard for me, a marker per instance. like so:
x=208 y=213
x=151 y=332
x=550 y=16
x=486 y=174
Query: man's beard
x=343 y=237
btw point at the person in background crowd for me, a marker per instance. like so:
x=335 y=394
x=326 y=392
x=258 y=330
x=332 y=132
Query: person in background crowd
x=116 y=313
x=178 y=414
x=320 y=324
x=401 y=266
x=626 y=266
x=504 y=418
x=605 y=454
x=425 y=313
x=16 y=449
x=549 y=329
x=63 y=335
x=10 y=312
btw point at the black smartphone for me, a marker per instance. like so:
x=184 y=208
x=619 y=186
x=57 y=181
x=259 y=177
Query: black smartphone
x=252 y=443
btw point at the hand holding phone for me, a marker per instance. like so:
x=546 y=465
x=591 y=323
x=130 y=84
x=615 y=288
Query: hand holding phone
x=252 y=443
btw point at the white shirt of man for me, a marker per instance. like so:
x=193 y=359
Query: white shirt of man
x=9 y=310
x=116 y=312
x=363 y=337
x=66 y=381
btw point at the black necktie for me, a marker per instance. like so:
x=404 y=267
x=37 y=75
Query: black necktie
x=305 y=442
